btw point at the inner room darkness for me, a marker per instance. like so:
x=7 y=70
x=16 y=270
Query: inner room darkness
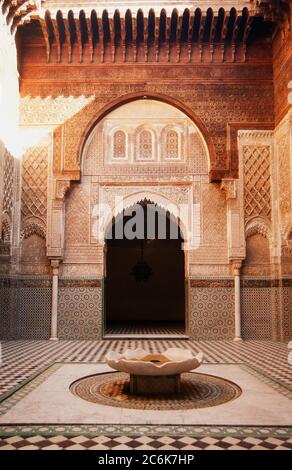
x=145 y=280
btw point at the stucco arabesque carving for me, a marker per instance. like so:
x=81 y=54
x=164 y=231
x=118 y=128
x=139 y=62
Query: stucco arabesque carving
x=175 y=194
x=32 y=227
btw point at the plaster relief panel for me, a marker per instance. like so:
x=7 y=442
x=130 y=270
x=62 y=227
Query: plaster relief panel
x=257 y=181
x=33 y=255
x=257 y=260
x=284 y=181
x=77 y=215
x=214 y=216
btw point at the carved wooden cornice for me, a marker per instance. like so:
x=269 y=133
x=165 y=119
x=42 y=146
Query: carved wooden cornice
x=163 y=31
x=16 y=11
x=135 y=35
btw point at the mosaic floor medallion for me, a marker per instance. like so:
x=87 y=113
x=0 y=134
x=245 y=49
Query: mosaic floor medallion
x=197 y=391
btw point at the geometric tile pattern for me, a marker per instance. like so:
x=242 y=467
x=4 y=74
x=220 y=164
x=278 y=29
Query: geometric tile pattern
x=287 y=308
x=79 y=313
x=153 y=328
x=20 y=359
x=5 y=311
x=256 y=313
x=211 y=313
x=33 y=312
x=196 y=391
x=25 y=312
x=194 y=431
x=143 y=442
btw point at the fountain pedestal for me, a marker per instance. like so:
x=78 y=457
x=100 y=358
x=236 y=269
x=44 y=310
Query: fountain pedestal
x=154 y=384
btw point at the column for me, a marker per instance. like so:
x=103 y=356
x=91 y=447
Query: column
x=236 y=265
x=54 y=314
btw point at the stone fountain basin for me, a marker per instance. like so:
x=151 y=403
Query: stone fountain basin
x=173 y=361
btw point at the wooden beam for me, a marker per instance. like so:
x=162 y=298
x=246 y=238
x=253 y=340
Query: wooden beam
x=101 y=38
x=79 y=38
x=46 y=38
x=57 y=39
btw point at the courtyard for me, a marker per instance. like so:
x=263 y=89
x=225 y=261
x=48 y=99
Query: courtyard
x=28 y=422
x=145 y=225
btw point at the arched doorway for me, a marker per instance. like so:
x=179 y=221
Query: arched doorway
x=145 y=273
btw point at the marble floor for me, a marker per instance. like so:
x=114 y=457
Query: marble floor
x=158 y=330
x=48 y=400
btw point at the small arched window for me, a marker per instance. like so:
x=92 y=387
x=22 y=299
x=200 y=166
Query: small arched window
x=145 y=145
x=172 y=145
x=119 y=145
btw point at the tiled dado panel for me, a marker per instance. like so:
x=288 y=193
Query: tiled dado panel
x=287 y=309
x=4 y=312
x=80 y=309
x=25 y=307
x=261 y=303
x=211 y=309
x=256 y=312
x=34 y=312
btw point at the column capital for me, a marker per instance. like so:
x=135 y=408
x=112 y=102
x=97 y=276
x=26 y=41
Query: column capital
x=236 y=265
x=55 y=264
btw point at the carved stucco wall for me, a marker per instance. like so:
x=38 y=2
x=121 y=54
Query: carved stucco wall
x=180 y=181
x=33 y=224
x=283 y=146
x=7 y=200
x=183 y=181
x=266 y=185
x=215 y=105
x=211 y=307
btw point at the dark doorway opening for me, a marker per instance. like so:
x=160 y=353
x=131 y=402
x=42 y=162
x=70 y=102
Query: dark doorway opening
x=145 y=275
